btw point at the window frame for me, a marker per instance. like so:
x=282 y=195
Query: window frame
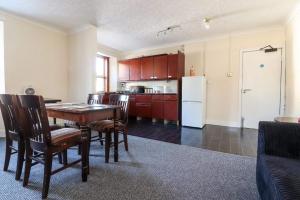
x=105 y=73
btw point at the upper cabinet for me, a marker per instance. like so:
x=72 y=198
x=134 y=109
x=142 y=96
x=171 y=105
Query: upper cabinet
x=172 y=66
x=160 y=69
x=135 y=69
x=124 y=70
x=147 y=64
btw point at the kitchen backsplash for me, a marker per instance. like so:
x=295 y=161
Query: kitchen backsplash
x=162 y=86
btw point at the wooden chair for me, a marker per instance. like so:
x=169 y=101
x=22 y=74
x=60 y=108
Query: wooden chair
x=42 y=144
x=107 y=126
x=13 y=132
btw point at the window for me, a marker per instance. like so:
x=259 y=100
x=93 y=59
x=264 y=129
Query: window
x=2 y=80
x=102 y=73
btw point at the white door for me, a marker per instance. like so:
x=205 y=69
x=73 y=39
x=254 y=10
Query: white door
x=261 y=86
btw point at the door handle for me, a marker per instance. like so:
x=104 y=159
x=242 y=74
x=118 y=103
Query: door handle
x=245 y=90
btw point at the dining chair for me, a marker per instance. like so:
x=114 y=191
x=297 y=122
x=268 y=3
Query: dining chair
x=13 y=132
x=107 y=126
x=42 y=144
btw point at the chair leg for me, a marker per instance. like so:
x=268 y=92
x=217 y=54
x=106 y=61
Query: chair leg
x=125 y=133
x=21 y=151
x=60 y=158
x=27 y=166
x=84 y=160
x=107 y=145
x=65 y=157
x=100 y=138
x=7 y=153
x=47 y=174
x=116 y=146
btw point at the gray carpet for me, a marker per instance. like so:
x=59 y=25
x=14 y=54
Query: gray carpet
x=151 y=170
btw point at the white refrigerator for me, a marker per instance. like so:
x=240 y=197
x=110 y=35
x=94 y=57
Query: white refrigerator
x=193 y=101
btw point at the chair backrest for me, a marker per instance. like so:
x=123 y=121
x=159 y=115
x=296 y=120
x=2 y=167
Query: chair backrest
x=11 y=117
x=123 y=101
x=95 y=98
x=37 y=124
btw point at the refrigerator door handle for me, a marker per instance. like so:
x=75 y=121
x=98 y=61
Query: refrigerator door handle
x=192 y=101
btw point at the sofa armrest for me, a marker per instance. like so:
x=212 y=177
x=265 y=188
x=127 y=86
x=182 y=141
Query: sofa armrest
x=279 y=139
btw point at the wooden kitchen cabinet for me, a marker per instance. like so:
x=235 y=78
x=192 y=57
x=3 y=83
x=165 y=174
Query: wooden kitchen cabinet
x=158 y=106
x=160 y=69
x=135 y=69
x=132 y=107
x=124 y=67
x=171 y=107
x=147 y=68
x=172 y=66
x=143 y=106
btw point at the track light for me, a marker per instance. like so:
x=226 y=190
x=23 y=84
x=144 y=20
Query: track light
x=206 y=23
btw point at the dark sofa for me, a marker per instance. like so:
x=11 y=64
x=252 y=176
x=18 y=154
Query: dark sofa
x=278 y=161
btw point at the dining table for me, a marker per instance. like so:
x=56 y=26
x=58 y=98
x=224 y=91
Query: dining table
x=83 y=114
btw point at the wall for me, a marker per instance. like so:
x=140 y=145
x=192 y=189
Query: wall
x=35 y=55
x=293 y=64
x=215 y=57
x=82 y=63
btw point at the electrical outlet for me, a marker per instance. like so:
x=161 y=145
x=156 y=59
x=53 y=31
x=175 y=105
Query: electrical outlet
x=229 y=74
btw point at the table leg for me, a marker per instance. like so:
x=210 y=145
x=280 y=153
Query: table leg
x=86 y=132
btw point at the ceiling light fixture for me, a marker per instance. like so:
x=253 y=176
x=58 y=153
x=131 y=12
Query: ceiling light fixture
x=206 y=23
x=169 y=29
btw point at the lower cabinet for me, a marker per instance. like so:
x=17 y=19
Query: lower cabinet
x=144 y=110
x=171 y=110
x=158 y=106
x=132 y=106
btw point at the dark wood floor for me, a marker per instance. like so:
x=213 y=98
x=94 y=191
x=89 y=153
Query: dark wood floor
x=218 y=138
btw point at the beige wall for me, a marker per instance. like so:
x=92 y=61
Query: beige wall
x=82 y=54
x=215 y=57
x=35 y=55
x=293 y=64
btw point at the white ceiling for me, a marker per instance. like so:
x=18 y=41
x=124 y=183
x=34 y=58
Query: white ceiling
x=133 y=24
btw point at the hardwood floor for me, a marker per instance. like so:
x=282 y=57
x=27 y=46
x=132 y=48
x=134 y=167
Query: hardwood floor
x=218 y=138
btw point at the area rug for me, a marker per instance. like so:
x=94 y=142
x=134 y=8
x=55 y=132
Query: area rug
x=151 y=170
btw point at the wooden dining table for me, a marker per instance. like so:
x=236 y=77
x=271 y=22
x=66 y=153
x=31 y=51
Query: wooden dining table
x=83 y=114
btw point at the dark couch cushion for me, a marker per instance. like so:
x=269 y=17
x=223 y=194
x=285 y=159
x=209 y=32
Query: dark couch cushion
x=282 y=175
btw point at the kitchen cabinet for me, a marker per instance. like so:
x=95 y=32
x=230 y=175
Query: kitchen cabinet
x=132 y=107
x=171 y=107
x=124 y=67
x=143 y=106
x=160 y=69
x=135 y=69
x=147 y=68
x=172 y=66
x=158 y=106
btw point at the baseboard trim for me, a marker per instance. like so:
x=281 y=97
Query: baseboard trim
x=223 y=123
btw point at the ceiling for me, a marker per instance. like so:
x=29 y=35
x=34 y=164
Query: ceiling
x=133 y=24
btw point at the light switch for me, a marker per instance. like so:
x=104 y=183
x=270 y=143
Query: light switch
x=229 y=74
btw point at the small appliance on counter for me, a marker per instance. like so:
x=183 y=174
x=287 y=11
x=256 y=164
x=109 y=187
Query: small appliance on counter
x=149 y=90
x=137 y=89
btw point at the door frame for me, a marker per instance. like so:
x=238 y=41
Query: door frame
x=282 y=83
